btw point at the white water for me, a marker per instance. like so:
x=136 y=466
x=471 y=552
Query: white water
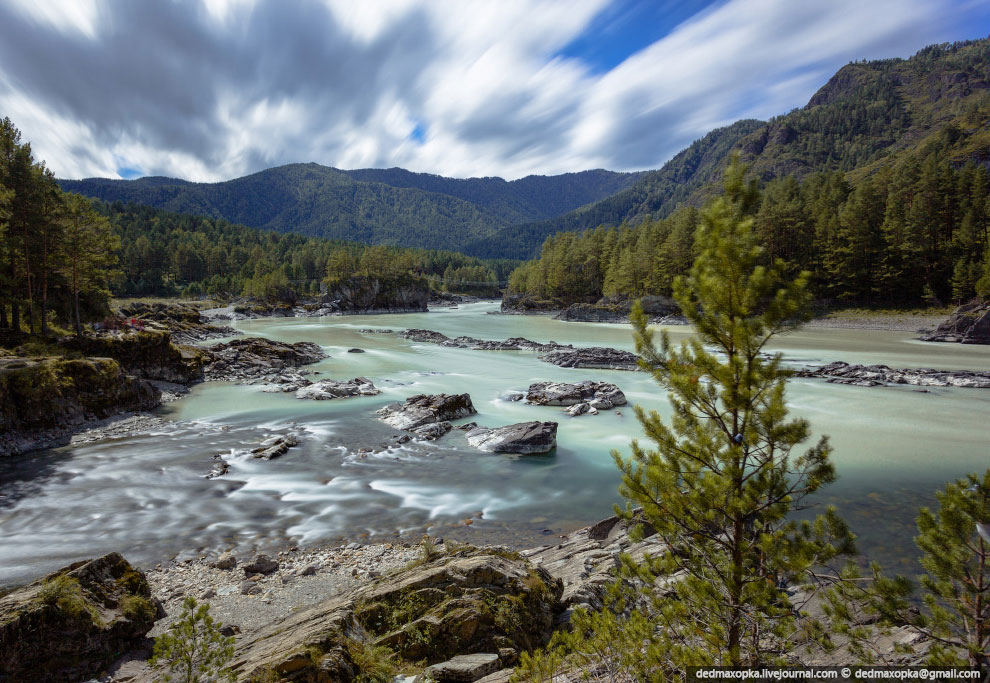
x=145 y=495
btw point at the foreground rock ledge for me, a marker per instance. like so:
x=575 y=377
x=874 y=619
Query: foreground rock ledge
x=474 y=603
x=72 y=623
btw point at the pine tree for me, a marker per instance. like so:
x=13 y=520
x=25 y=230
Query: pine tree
x=90 y=248
x=955 y=589
x=724 y=477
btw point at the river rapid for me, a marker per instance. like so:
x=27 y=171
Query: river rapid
x=145 y=495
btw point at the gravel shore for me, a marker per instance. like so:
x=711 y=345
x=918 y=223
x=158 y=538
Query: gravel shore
x=898 y=322
x=249 y=599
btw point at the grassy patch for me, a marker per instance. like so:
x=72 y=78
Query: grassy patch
x=65 y=593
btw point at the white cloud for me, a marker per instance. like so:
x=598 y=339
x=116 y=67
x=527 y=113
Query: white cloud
x=217 y=90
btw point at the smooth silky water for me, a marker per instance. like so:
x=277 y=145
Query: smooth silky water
x=145 y=496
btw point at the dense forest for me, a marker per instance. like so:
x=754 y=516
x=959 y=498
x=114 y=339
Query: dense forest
x=868 y=115
x=909 y=233
x=58 y=255
x=62 y=255
x=165 y=254
x=372 y=206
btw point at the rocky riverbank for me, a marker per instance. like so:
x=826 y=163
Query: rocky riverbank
x=969 y=324
x=839 y=372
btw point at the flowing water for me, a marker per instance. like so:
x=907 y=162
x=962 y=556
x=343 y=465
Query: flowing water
x=146 y=497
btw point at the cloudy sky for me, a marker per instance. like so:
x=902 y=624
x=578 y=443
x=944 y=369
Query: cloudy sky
x=214 y=89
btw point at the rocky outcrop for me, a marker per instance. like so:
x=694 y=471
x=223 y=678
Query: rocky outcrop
x=328 y=389
x=585 y=560
x=523 y=438
x=71 y=624
x=147 y=354
x=361 y=294
x=616 y=309
x=600 y=357
x=513 y=344
x=528 y=304
x=185 y=323
x=424 y=409
x=275 y=447
x=469 y=603
x=880 y=375
x=969 y=324
x=43 y=402
x=256 y=359
x=599 y=395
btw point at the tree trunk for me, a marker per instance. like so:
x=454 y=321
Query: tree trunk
x=44 y=284
x=75 y=297
x=29 y=305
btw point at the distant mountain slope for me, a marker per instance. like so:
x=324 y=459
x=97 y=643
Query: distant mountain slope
x=865 y=114
x=390 y=206
x=688 y=171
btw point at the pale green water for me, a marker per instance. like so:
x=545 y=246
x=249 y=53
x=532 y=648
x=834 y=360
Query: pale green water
x=145 y=496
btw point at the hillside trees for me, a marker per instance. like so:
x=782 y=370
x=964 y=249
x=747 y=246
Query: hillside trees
x=725 y=474
x=49 y=261
x=920 y=225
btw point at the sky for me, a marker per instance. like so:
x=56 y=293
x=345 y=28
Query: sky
x=215 y=89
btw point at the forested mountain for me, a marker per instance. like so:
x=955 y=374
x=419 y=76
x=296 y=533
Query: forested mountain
x=879 y=188
x=687 y=172
x=867 y=114
x=164 y=253
x=373 y=206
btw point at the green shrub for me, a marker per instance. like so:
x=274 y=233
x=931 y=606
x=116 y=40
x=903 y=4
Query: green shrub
x=137 y=608
x=194 y=650
x=65 y=593
x=375 y=663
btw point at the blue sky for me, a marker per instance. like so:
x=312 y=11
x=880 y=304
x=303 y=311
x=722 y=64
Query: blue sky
x=215 y=89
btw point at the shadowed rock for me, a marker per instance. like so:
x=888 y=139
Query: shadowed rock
x=523 y=438
x=71 y=624
x=969 y=324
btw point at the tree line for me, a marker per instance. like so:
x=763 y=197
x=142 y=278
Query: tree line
x=168 y=254
x=903 y=233
x=63 y=256
x=58 y=255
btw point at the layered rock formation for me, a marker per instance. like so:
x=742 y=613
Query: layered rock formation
x=361 y=294
x=471 y=602
x=257 y=359
x=424 y=409
x=43 y=402
x=598 y=395
x=148 y=354
x=600 y=357
x=328 y=389
x=969 y=324
x=616 y=309
x=880 y=375
x=184 y=322
x=71 y=624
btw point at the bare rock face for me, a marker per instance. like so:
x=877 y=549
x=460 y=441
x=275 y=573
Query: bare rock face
x=600 y=357
x=468 y=603
x=425 y=409
x=464 y=668
x=328 y=389
x=563 y=394
x=71 y=624
x=522 y=438
x=969 y=324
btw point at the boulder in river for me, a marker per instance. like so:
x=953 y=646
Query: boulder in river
x=566 y=394
x=254 y=358
x=522 y=438
x=969 y=324
x=327 y=389
x=71 y=624
x=434 y=430
x=600 y=357
x=275 y=447
x=427 y=408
